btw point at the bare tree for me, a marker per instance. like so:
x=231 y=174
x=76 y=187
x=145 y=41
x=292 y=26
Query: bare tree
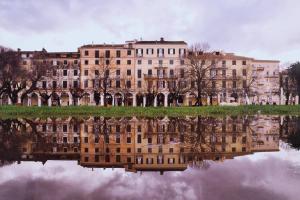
x=103 y=78
x=247 y=81
x=200 y=63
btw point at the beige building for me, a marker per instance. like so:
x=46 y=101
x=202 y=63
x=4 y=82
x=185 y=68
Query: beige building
x=148 y=73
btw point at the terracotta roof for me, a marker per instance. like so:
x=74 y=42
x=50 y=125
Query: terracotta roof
x=160 y=42
x=103 y=46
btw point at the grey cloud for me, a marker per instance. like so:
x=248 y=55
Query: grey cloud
x=268 y=27
x=237 y=179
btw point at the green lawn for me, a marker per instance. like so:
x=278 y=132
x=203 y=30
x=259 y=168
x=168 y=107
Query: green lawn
x=20 y=111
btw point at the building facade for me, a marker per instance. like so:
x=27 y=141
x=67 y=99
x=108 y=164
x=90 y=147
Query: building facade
x=148 y=73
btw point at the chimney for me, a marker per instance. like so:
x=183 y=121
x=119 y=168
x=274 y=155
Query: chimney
x=162 y=39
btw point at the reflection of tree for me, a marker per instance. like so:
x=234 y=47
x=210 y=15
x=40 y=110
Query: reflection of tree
x=293 y=137
x=13 y=134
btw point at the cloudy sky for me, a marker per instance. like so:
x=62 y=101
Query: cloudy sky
x=265 y=29
x=262 y=176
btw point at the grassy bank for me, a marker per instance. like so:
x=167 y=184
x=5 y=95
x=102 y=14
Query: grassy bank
x=20 y=111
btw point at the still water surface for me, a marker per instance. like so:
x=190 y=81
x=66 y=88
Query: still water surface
x=246 y=157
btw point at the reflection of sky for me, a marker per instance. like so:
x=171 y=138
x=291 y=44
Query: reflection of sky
x=260 y=176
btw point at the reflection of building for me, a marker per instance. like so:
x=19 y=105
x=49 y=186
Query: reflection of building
x=145 y=144
x=143 y=73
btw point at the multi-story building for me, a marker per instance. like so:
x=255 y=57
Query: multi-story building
x=148 y=73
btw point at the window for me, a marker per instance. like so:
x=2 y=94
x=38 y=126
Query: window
x=75 y=72
x=128 y=52
x=244 y=72
x=171 y=72
x=128 y=72
x=128 y=150
x=149 y=51
x=86 y=83
x=107 y=53
x=171 y=150
x=234 y=84
x=139 y=62
x=86 y=62
x=149 y=72
x=160 y=62
x=234 y=62
x=54 y=84
x=128 y=140
x=107 y=62
x=139 y=139
x=118 y=72
x=182 y=62
x=128 y=62
x=54 y=72
x=96 y=62
x=96 y=53
x=86 y=140
x=86 y=52
x=223 y=72
x=149 y=140
x=65 y=128
x=65 y=84
x=160 y=52
x=244 y=62
x=118 y=84
x=96 y=72
x=223 y=84
x=118 y=62
x=234 y=73
x=171 y=51
x=75 y=62
x=149 y=150
x=86 y=72
x=223 y=62
x=171 y=62
x=65 y=72
x=149 y=62
x=139 y=52
x=44 y=84
x=139 y=73
x=128 y=84
x=118 y=54
x=139 y=84
x=65 y=62
x=181 y=73
x=75 y=84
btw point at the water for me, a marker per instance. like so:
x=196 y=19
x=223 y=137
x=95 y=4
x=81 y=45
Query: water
x=246 y=157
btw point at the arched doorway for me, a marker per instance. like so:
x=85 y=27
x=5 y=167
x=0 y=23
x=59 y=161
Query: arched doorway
x=171 y=99
x=149 y=99
x=129 y=99
x=64 y=99
x=118 y=99
x=55 y=99
x=160 y=99
x=139 y=99
x=234 y=97
x=44 y=100
x=180 y=99
x=108 y=98
x=34 y=99
x=86 y=99
x=25 y=100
